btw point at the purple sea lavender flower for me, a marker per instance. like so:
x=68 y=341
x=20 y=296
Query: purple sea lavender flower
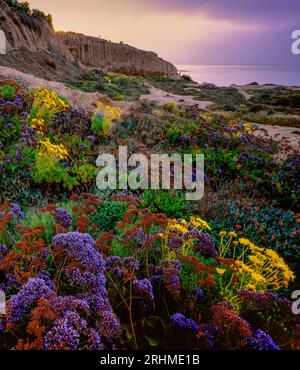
x=3 y=251
x=262 y=341
x=199 y=295
x=204 y=243
x=109 y=325
x=19 y=154
x=16 y=211
x=94 y=341
x=178 y=319
x=144 y=288
x=63 y=217
x=20 y=303
x=65 y=333
x=82 y=248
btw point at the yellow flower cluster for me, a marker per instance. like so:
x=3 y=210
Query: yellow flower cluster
x=258 y=269
x=199 y=223
x=46 y=103
x=265 y=270
x=207 y=117
x=110 y=113
x=48 y=100
x=37 y=124
x=183 y=226
x=56 y=150
x=180 y=227
x=248 y=127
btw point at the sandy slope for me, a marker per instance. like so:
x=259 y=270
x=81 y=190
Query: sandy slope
x=278 y=133
x=89 y=101
x=75 y=97
x=163 y=97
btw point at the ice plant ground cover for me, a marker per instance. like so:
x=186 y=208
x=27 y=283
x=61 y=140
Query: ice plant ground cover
x=84 y=269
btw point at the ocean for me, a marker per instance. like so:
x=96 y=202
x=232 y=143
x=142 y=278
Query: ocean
x=226 y=75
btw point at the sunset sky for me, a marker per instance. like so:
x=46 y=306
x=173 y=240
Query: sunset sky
x=188 y=31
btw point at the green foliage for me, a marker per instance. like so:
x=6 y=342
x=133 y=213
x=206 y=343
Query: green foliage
x=173 y=133
x=118 y=249
x=48 y=170
x=108 y=215
x=24 y=7
x=187 y=78
x=38 y=218
x=171 y=203
x=9 y=134
x=117 y=87
x=98 y=124
x=84 y=173
x=7 y=92
x=266 y=225
x=170 y=107
x=20 y=189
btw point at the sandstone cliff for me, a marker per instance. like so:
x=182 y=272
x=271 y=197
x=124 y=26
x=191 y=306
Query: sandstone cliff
x=33 y=46
x=110 y=56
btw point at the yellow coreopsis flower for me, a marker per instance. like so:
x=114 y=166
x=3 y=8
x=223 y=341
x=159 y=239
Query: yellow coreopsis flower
x=58 y=150
x=245 y=242
x=257 y=277
x=251 y=287
x=220 y=272
x=199 y=223
x=273 y=255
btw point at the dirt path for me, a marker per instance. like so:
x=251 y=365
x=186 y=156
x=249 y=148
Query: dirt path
x=162 y=97
x=75 y=97
x=286 y=135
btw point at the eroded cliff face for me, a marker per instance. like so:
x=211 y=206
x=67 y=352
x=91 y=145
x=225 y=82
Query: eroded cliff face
x=34 y=47
x=32 y=33
x=110 y=56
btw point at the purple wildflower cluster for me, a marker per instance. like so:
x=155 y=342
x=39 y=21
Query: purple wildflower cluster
x=203 y=243
x=63 y=217
x=144 y=288
x=81 y=248
x=168 y=274
x=199 y=295
x=74 y=314
x=28 y=136
x=140 y=237
x=3 y=251
x=16 y=211
x=262 y=342
x=66 y=333
x=208 y=331
x=21 y=303
x=178 y=319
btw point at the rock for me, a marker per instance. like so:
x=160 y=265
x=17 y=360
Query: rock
x=115 y=57
x=33 y=46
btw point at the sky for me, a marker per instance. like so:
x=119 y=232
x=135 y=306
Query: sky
x=188 y=31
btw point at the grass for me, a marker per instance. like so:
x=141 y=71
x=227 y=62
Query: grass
x=116 y=87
